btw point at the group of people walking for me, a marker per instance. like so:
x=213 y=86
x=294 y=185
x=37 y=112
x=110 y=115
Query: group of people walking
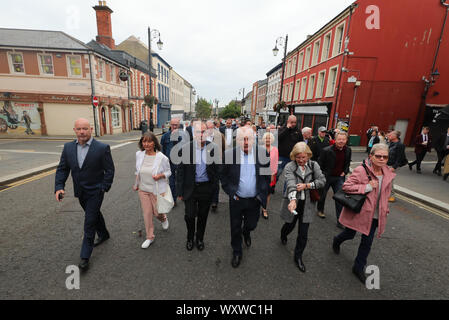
x=191 y=163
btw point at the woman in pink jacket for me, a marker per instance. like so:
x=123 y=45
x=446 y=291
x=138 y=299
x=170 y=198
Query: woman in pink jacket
x=375 y=209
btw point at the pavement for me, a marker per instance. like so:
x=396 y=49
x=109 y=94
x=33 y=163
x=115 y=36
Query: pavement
x=22 y=158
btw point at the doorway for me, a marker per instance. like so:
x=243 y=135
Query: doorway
x=401 y=125
x=103 y=121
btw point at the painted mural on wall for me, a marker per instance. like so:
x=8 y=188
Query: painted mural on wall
x=19 y=118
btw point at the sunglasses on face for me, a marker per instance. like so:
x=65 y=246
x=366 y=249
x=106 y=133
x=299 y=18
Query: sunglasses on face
x=378 y=156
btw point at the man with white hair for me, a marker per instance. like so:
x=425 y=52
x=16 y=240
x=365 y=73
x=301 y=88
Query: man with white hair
x=245 y=181
x=306 y=134
x=92 y=168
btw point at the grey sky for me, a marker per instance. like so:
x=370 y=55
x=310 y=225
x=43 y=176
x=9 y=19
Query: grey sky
x=218 y=46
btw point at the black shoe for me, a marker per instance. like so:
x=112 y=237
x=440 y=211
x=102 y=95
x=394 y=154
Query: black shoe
x=418 y=171
x=189 y=245
x=247 y=240
x=236 y=261
x=300 y=265
x=445 y=177
x=336 y=246
x=84 y=265
x=101 y=240
x=214 y=207
x=360 y=275
x=410 y=166
x=283 y=240
x=200 y=245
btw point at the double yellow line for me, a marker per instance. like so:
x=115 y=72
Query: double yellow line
x=437 y=212
x=30 y=179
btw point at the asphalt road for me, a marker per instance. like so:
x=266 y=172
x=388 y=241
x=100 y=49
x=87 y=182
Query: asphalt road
x=39 y=238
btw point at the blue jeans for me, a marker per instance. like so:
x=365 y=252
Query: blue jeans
x=364 y=247
x=336 y=183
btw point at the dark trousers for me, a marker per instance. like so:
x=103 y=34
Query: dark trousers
x=246 y=211
x=303 y=230
x=364 y=247
x=336 y=183
x=419 y=158
x=197 y=207
x=93 y=221
x=172 y=181
x=441 y=155
x=216 y=192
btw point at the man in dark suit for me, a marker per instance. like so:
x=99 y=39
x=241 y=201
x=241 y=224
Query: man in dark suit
x=196 y=179
x=228 y=133
x=92 y=168
x=442 y=148
x=423 y=144
x=245 y=178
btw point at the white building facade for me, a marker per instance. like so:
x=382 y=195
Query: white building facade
x=273 y=91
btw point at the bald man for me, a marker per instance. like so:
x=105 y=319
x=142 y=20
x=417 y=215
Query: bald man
x=92 y=168
x=287 y=138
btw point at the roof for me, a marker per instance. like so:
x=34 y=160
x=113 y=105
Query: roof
x=269 y=73
x=39 y=39
x=160 y=58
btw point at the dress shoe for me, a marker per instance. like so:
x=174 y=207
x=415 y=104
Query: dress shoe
x=283 y=240
x=101 y=240
x=300 y=265
x=247 y=240
x=321 y=214
x=200 y=245
x=236 y=261
x=189 y=245
x=410 y=166
x=336 y=246
x=84 y=264
x=360 y=275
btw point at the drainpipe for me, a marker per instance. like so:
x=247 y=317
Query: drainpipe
x=92 y=85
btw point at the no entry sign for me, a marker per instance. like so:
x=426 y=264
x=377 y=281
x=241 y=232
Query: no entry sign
x=95 y=101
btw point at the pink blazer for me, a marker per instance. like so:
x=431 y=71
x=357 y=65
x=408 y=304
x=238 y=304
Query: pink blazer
x=356 y=184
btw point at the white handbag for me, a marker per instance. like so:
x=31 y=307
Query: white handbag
x=165 y=201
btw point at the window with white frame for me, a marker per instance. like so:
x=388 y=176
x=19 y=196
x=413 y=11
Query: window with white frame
x=284 y=95
x=101 y=70
x=292 y=71
x=320 y=84
x=326 y=46
x=17 y=63
x=115 y=115
x=46 y=64
x=142 y=87
x=74 y=66
x=316 y=52
x=303 y=88
x=338 y=41
x=297 y=87
x=307 y=58
x=300 y=62
x=311 y=88
x=331 y=81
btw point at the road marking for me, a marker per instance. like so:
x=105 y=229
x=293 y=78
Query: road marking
x=437 y=212
x=28 y=151
x=121 y=145
x=30 y=179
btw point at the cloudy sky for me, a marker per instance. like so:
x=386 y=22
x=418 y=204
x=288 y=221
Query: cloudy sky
x=219 y=46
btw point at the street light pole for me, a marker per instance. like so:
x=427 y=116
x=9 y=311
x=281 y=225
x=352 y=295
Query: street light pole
x=281 y=42
x=151 y=36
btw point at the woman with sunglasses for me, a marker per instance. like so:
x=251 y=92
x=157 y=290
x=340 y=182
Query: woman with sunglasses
x=375 y=209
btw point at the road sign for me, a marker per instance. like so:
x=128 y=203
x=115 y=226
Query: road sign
x=95 y=101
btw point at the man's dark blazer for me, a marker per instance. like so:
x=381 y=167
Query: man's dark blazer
x=328 y=157
x=440 y=143
x=185 y=172
x=419 y=147
x=223 y=130
x=230 y=174
x=189 y=130
x=97 y=172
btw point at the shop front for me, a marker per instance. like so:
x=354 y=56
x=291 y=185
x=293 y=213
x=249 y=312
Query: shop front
x=312 y=115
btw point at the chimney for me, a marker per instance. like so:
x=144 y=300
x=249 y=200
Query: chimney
x=104 y=25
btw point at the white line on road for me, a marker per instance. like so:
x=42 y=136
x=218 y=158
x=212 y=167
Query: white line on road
x=28 y=151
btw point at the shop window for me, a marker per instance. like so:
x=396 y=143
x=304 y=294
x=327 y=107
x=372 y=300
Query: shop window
x=115 y=115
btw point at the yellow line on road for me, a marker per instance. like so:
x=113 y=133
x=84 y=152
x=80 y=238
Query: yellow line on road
x=30 y=179
x=437 y=212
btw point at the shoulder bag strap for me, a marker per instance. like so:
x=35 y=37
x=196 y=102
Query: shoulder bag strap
x=366 y=170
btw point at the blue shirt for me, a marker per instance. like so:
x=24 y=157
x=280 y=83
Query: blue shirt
x=200 y=161
x=247 y=184
x=81 y=151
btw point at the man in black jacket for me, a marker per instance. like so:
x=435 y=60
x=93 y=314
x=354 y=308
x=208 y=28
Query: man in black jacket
x=334 y=162
x=288 y=136
x=196 y=179
x=442 y=148
x=92 y=168
x=396 y=156
x=318 y=143
x=245 y=178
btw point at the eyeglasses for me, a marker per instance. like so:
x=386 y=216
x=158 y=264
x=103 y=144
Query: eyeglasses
x=378 y=156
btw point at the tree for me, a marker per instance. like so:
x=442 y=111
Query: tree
x=203 y=109
x=232 y=110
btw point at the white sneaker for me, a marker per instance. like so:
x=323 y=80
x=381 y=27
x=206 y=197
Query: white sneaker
x=165 y=224
x=147 y=243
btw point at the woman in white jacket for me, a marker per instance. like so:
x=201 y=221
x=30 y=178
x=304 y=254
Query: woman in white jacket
x=152 y=172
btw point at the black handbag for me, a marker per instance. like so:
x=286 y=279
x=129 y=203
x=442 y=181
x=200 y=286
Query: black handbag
x=354 y=202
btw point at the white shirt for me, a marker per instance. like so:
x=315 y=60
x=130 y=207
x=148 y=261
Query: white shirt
x=229 y=133
x=147 y=182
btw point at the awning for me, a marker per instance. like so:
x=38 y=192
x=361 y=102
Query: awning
x=320 y=110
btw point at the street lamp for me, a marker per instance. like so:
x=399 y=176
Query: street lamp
x=282 y=42
x=152 y=34
x=194 y=93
